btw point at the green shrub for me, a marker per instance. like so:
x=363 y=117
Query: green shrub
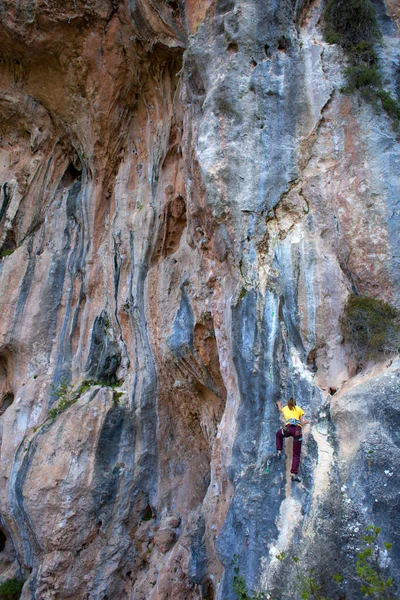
x=11 y=589
x=390 y=105
x=5 y=253
x=361 y=76
x=117 y=397
x=370 y=571
x=353 y=25
x=66 y=395
x=371 y=325
x=363 y=53
x=84 y=387
x=331 y=37
x=371 y=567
x=349 y=22
x=239 y=585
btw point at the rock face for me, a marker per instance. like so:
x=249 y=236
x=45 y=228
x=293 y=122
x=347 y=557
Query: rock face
x=187 y=201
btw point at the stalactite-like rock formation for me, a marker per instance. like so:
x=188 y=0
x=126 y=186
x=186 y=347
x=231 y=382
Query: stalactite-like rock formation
x=187 y=201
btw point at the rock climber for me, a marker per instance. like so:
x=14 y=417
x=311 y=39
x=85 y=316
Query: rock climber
x=294 y=422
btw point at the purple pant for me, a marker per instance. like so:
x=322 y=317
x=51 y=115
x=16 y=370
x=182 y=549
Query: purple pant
x=294 y=432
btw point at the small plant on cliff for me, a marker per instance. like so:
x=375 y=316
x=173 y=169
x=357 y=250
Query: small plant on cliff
x=66 y=395
x=242 y=294
x=390 y=105
x=5 y=253
x=371 y=325
x=117 y=397
x=239 y=585
x=308 y=587
x=361 y=76
x=11 y=589
x=85 y=386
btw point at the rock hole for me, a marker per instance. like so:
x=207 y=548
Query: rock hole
x=224 y=6
x=6 y=199
x=72 y=173
x=207 y=591
x=332 y=391
x=312 y=360
x=104 y=353
x=173 y=4
x=283 y=44
x=3 y=540
x=253 y=64
x=8 y=399
x=172 y=225
x=9 y=244
x=266 y=50
x=233 y=48
x=146 y=513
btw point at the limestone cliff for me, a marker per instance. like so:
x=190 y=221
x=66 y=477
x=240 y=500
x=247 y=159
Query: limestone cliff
x=187 y=201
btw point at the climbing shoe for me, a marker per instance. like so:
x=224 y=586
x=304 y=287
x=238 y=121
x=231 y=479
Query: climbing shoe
x=279 y=454
x=296 y=478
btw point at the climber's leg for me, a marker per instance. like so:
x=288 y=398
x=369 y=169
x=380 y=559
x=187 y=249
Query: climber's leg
x=297 y=441
x=279 y=440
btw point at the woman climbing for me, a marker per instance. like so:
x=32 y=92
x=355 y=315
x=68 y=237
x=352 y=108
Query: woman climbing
x=293 y=428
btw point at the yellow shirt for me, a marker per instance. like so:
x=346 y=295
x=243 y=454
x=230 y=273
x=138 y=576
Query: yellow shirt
x=296 y=414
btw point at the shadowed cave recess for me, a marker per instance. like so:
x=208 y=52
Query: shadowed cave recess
x=188 y=199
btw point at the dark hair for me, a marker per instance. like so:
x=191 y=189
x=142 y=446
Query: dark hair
x=291 y=403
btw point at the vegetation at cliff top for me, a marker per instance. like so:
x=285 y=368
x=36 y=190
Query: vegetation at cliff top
x=349 y=22
x=353 y=25
x=372 y=326
x=370 y=568
x=11 y=589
